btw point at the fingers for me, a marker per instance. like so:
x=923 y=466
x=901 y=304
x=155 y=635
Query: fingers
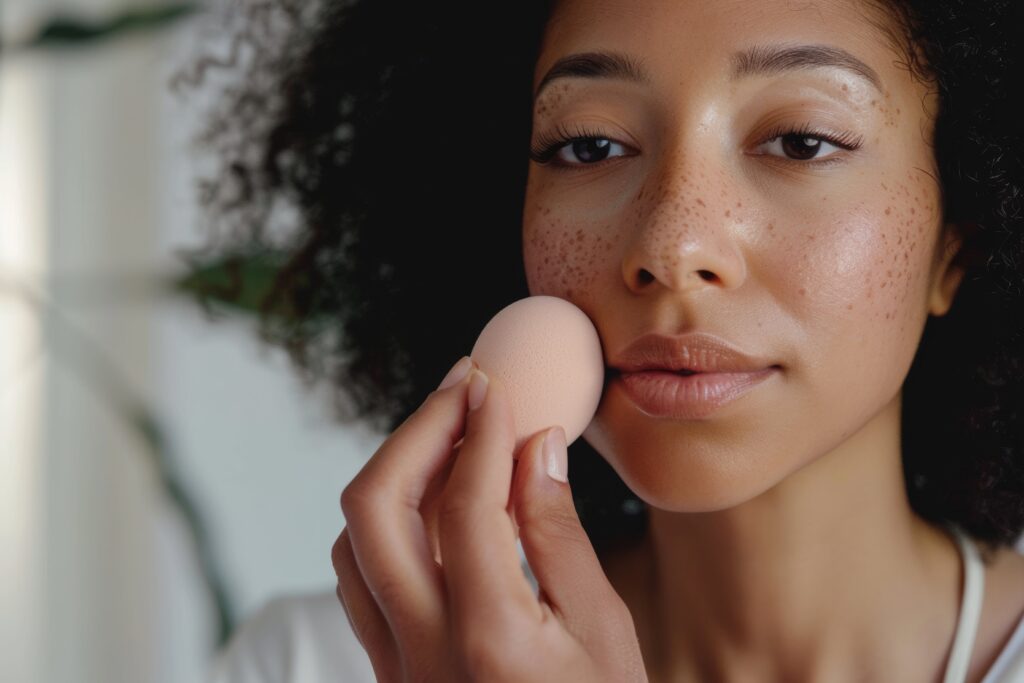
x=431 y=502
x=558 y=550
x=485 y=582
x=364 y=616
x=381 y=507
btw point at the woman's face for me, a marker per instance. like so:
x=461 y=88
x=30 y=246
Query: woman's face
x=686 y=205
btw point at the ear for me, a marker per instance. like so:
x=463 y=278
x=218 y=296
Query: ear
x=949 y=270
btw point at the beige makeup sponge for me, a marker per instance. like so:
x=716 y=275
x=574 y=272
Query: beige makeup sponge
x=547 y=355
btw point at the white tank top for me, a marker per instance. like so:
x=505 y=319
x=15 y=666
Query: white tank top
x=970 y=609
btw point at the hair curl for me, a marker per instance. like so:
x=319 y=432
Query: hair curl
x=359 y=123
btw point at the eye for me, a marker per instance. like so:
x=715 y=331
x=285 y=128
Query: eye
x=802 y=145
x=591 y=147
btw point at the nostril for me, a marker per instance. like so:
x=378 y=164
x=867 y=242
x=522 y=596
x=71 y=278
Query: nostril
x=645 y=277
x=707 y=275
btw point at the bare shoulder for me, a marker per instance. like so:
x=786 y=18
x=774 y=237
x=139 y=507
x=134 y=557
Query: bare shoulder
x=1002 y=609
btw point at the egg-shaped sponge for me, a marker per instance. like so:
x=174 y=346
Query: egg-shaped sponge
x=547 y=354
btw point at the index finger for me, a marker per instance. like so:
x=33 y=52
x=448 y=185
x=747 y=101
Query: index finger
x=386 y=530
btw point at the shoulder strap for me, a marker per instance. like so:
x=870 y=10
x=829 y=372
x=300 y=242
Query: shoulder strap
x=970 y=609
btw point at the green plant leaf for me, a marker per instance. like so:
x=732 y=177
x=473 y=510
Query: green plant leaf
x=240 y=282
x=69 y=31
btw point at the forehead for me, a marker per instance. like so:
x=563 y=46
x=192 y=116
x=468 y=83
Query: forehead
x=676 y=40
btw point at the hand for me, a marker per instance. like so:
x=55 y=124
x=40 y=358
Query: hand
x=427 y=566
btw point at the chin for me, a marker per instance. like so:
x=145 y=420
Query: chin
x=675 y=478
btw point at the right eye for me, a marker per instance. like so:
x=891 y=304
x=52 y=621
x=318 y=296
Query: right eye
x=590 y=147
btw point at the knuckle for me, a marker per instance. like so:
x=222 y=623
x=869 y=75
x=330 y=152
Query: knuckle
x=558 y=526
x=486 y=657
x=621 y=615
x=356 y=498
x=340 y=553
x=455 y=508
x=498 y=647
x=387 y=589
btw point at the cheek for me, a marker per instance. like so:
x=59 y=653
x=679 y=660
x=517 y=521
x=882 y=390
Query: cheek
x=563 y=257
x=859 y=279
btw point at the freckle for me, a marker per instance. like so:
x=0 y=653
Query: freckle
x=884 y=187
x=888 y=210
x=727 y=212
x=700 y=201
x=803 y=292
x=849 y=307
x=770 y=227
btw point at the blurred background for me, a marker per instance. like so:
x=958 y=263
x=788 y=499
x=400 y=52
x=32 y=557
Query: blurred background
x=162 y=472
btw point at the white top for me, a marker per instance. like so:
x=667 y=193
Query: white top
x=307 y=639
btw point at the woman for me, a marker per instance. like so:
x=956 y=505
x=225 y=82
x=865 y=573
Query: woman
x=828 y=189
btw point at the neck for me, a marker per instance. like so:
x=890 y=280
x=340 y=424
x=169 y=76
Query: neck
x=827 y=576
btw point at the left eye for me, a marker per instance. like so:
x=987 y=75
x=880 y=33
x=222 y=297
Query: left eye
x=800 y=147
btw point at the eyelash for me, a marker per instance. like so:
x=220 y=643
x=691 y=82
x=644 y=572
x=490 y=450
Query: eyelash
x=549 y=145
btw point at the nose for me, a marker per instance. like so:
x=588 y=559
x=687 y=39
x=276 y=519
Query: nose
x=685 y=238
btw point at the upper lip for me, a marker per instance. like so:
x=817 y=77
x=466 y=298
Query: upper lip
x=695 y=351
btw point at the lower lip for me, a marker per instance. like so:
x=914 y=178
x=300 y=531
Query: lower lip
x=661 y=393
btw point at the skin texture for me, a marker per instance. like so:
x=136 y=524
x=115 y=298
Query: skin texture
x=781 y=536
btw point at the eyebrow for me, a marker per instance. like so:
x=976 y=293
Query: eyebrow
x=757 y=60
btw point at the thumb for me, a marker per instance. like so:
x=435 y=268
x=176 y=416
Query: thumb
x=557 y=549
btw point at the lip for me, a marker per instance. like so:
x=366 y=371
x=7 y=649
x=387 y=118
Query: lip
x=648 y=371
x=696 y=351
x=660 y=393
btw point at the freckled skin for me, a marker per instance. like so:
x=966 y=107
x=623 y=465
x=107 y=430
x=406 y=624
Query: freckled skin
x=800 y=248
x=830 y=272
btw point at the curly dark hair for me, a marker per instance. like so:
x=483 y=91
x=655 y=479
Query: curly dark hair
x=344 y=113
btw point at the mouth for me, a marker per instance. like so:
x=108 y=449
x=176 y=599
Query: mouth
x=685 y=394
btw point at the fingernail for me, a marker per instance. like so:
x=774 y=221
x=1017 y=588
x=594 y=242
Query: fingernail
x=457 y=373
x=477 y=389
x=555 y=455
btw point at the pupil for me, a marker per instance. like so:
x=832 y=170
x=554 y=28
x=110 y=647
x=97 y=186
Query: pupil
x=801 y=147
x=585 y=149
